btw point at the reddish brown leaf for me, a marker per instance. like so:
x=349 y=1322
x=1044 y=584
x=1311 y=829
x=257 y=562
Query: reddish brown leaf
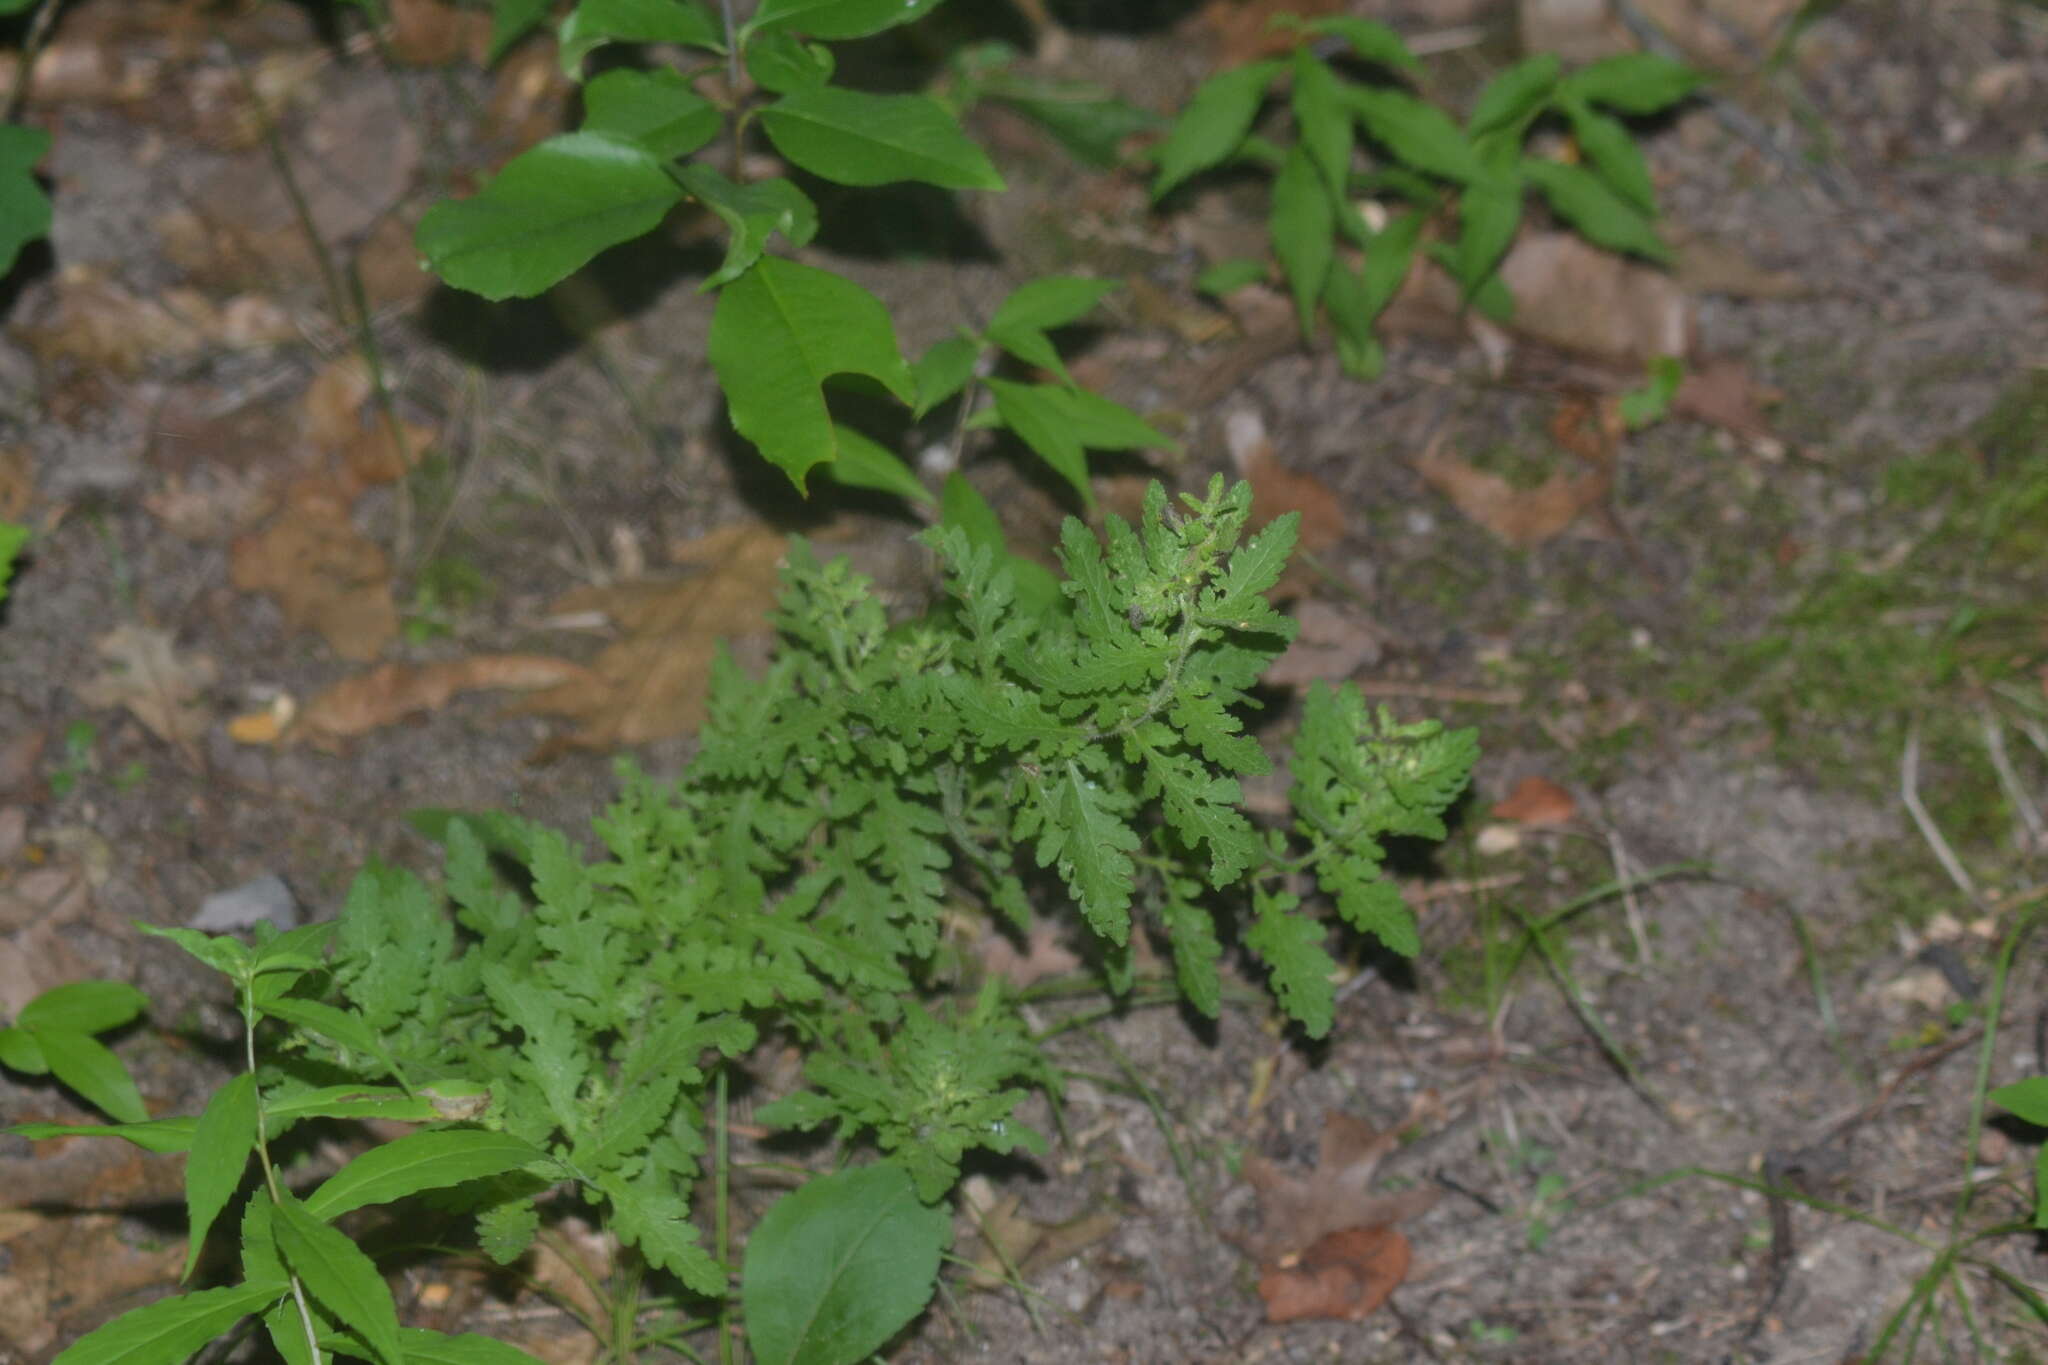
x=1721 y=392
x=1537 y=801
x=1245 y=29
x=1299 y=1208
x=1278 y=490
x=1522 y=517
x=1344 y=1275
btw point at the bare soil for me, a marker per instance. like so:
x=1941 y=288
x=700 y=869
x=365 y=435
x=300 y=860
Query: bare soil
x=1774 y=999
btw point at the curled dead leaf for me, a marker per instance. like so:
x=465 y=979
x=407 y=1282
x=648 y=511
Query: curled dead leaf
x=1344 y=1275
x=390 y=693
x=1537 y=801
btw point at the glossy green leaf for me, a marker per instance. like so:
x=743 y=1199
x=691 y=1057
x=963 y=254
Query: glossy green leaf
x=1101 y=423
x=1612 y=153
x=24 y=208
x=220 y=1155
x=836 y=1268
x=593 y=23
x=837 y=18
x=336 y=1272
x=429 y=1160
x=348 y=1102
x=780 y=331
x=83 y=1007
x=1302 y=225
x=1031 y=346
x=84 y=1063
x=1054 y=301
x=751 y=213
x=1214 y=123
x=2027 y=1098
x=1634 y=83
x=19 y=1051
x=1091 y=128
x=326 y=1021
x=512 y=20
x=168 y=1331
x=1516 y=95
x=942 y=371
x=1601 y=216
x=855 y=138
x=1419 y=135
x=867 y=463
x=1029 y=411
x=438 y=1348
x=1351 y=318
x=1227 y=277
x=224 y=953
x=1488 y=215
x=656 y=109
x=157 y=1135
x=12 y=538
x=1323 y=120
x=783 y=63
x=551 y=209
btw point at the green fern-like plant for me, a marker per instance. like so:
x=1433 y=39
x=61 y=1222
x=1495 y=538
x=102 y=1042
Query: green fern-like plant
x=560 y=1022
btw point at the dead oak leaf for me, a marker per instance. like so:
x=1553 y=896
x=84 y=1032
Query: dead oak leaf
x=1344 y=1275
x=326 y=575
x=652 y=683
x=160 y=687
x=1299 y=1208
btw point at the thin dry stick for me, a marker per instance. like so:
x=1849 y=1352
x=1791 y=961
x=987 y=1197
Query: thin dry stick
x=1632 y=910
x=31 y=48
x=1909 y=792
x=2023 y=805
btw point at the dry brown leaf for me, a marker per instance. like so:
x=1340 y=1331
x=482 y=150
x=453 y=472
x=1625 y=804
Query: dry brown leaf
x=1245 y=29
x=326 y=575
x=652 y=683
x=1523 y=517
x=1297 y=1209
x=1345 y=1275
x=1574 y=296
x=96 y=324
x=17 y=482
x=334 y=403
x=1537 y=801
x=1332 y=643
x=434 y=33
x=158 y=686
x=1707 y=265
x=1277 y=490
x=1721 y=392
x=392 y=692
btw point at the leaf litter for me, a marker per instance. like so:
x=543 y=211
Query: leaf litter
x=1327 y=1245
